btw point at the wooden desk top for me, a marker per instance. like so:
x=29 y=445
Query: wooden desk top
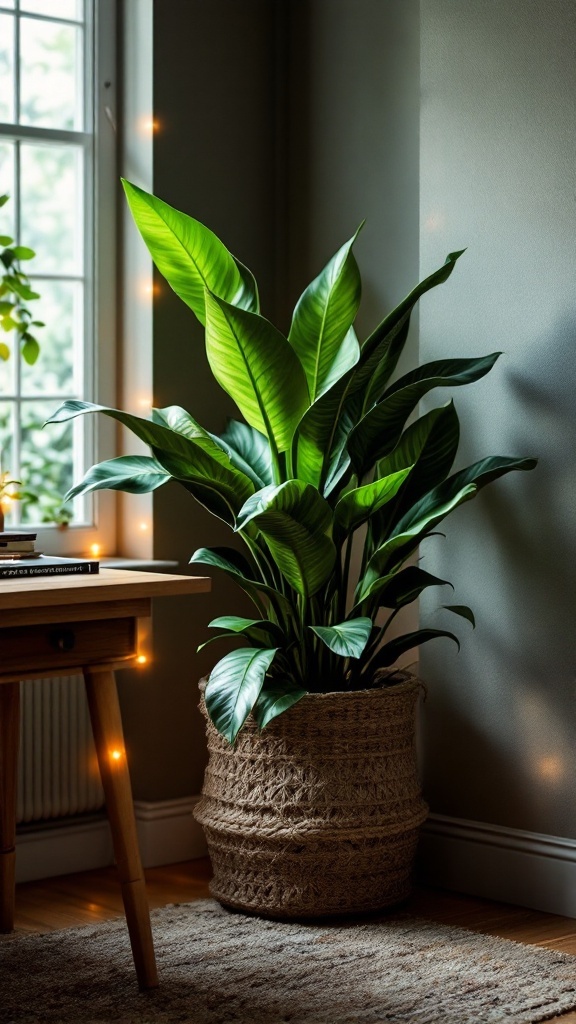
x=107 y=585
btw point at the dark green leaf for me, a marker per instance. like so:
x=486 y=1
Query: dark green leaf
x=235 y=566
x=275 y=698
x=480 y=474
x=463 y=610
x=382 y=350
x=249 y=451
x=136 y=474
x=234 y=687
x=379 y=431
x=391 y=651
x=296 y=523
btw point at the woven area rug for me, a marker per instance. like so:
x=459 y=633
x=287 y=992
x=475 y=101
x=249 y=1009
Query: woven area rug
x=218 y=966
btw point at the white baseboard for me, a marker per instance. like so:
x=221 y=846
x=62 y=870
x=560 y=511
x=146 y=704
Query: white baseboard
x=497 y=863
x=167 y=834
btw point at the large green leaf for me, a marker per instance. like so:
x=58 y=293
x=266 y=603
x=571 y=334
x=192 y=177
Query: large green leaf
x=234 y=687
x=275 y=697
x=137 y=474
x=193 y=458
x=378 y=432
x=357 y=505
x=296 y=523
x=430 y=444
x=347 y=638
x=479 y=473
x=398 y=589
x=320 y=331
x=257 y=630
x=249 y=451
x=383 y=348
x=258 y=368
x=322 y=434
x=391 y=651
x=187 y=253
x=397 y=548
x=236 y=567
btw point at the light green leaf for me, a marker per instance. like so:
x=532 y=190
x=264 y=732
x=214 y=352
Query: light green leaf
x=275 y=698
x=136 y=474
x=379 y=431
x=253 y=362
x=463 y=610
x=348 y=638
x=22 y=252
x=4 y=351
x=321 y=434
x=320 y=331
x=296 y=523
x=356 y=506
x=234 y=687
x=30 y=349
x=187 y=254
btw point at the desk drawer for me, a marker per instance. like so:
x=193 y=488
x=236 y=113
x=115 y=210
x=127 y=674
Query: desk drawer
x=58 y=645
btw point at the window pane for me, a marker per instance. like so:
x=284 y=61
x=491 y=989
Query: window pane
x=46 y=458
x=7 y=425
x=8 y=3
x=50 y=79
x=7 y=212
x=6 y=67
x=52 y=8
x=51 y=216
x=6 y=435
x=60 y=309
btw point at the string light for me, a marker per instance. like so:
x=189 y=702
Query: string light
x=143 y=526
x=142 y=659
x=150 y=124
x=116 y=755
x=95 y=550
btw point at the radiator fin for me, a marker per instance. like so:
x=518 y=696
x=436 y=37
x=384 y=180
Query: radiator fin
x=58 y=771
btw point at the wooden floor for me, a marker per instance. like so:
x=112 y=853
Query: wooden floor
x=73 y=900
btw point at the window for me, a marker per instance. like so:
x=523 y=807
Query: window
x=57 y=163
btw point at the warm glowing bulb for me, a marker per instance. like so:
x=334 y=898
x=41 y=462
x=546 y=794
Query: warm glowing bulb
x=145 y=403
x=143 y=526
x=115 y=755
x=7 y=498
x=95 y=549
x=550 y=768
x=149 y=124
x=141 y=659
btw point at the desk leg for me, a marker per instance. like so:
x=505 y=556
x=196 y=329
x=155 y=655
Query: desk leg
x=9 y=739
x=109 y=740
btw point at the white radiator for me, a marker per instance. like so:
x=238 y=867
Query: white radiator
x=58 y=769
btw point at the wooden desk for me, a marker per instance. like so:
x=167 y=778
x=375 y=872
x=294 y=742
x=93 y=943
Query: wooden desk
x=69 y=625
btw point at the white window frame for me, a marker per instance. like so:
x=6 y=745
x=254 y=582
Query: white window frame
x=99 y=141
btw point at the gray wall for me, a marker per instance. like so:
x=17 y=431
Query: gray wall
x=497 y=168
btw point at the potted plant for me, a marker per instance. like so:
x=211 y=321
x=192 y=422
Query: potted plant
x=311 y=802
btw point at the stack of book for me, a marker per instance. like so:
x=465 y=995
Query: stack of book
x=18 y=558
x=18 y=545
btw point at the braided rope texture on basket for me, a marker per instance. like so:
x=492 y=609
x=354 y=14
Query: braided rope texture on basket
x=319 y=813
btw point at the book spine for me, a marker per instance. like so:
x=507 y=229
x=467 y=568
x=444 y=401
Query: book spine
x=75 y=569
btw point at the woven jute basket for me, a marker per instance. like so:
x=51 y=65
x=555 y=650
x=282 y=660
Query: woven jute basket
x=319 y=813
